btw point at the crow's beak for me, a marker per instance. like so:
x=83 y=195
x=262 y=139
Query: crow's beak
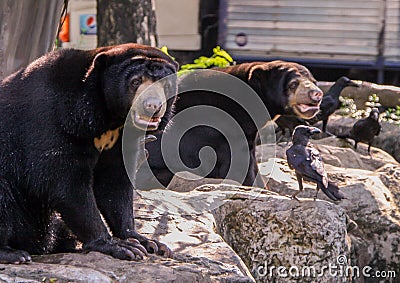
x=314 y=130
x=354 y=84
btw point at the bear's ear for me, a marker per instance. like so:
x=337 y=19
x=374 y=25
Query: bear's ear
x=97 y=67
x=269 y=77
x=255 y=77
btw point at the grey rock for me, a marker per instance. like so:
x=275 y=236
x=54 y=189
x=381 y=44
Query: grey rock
x=275 y=232
x=372 y=188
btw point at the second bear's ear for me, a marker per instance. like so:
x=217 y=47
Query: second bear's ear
x=255 y=77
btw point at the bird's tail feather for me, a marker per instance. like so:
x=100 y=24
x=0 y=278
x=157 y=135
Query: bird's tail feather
x=332 y=192
x=343 y=136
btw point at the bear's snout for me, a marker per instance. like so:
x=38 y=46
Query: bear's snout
x=315 y=94
x=152 y=106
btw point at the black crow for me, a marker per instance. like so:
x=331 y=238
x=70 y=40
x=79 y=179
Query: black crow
x=330 y=101
x=307 y=163
x=366 y=129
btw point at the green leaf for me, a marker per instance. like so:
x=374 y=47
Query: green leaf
x=220 y=58
x=165 y=50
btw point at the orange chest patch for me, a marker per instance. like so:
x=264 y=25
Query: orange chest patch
x=106 y=140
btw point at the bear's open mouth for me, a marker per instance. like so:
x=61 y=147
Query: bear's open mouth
x=307 y=110
x=303 y=108
x=146 y=123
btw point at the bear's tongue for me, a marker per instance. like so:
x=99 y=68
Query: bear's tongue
x=306 y=107
x=147 y=122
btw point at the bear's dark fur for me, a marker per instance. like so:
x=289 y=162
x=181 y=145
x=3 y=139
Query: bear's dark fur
x=56 y=115
x=283 y=87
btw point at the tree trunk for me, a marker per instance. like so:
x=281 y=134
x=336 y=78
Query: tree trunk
x=27 y=31
x=122 y=21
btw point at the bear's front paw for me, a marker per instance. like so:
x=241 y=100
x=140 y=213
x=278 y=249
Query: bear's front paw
x=121 y=249
x=152 y=246
x=158 y=248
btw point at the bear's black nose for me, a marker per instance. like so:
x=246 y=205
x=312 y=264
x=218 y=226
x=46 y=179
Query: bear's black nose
x=152 y=105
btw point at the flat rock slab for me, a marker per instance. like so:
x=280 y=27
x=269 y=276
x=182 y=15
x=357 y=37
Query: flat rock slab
x=96 y=267
x=177 y=219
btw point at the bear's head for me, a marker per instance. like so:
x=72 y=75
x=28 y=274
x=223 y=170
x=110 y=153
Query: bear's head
x=137 y=82
x=286 y=87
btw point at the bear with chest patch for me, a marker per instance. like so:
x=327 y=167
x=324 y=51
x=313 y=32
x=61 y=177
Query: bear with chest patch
x=281 y=87
x=61 y=149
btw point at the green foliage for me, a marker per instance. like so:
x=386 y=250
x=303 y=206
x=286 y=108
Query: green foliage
x=49 y=280
x=348 y=107
x=165 y=50
x=56 y=44
x=373 y=101
x=392 y=115
x=220 y=58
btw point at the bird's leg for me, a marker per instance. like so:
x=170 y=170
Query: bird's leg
x=324 y=124
x=277 y=130
x=290 y=135
x=280 y=138
x=315 y=197
x=369 y=149
x=329 y=134
x=355 y=145
x=300 y=181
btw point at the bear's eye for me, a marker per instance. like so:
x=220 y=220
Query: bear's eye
x=168 y=85
x=293 y=85
x=135 y=82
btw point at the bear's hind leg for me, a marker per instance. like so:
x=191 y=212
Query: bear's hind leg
x=63 y=240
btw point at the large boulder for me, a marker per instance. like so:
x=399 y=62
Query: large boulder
x=283 y=240
x=372 y=189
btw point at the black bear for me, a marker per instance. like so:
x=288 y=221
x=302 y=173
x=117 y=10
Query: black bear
x=281 y=87
x=60 y=149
